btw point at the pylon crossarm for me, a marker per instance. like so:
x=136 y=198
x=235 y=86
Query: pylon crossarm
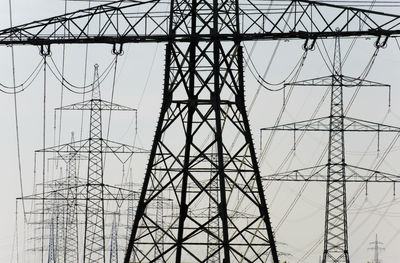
x=360 y=174
x=354 y=174
x=83 y=147
x=346 y=81
x=322 y=124
x=102 y=104
x=108 y=23
x=111 y=193
x=310 y=174
x=319 y=124
x=353 y=124
x=122 y=22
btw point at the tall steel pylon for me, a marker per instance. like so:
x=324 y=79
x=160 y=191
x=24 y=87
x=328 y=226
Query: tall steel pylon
x=94 y=241
x=114 y=239
x=338 y=172
x=94 y=192
x=94 y=232
x=376 y=248
x=52 y=254
x=203 y=96
x=71 y=249
x=336 y=248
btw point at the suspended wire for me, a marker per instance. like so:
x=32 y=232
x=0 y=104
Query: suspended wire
x=112 y=101
x=14 y=247
x=44 y=144
x=62 y=85
x=112 y=94
x=59 y=76
x=278 y=119
x=26 y=84
x=17 y=120
x=375 y=226
x=328 y=62
x=83 y=94
x=262 y=80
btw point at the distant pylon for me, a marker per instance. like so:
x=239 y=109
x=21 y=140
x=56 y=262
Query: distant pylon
x=114 y=240
x=94 y=192
x=336 y=173
x=376 y=248
x=51 y=256
x=94 y=237
x=71 y=250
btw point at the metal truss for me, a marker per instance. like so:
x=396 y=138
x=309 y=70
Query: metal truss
x=323 y=124
x=203 y=96
x=114 y=240
x=346 y=81
x=336 y=173
x=92 y=191
x=354 y=174
x=147 y=21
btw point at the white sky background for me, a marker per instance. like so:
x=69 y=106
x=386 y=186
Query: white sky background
x=304 y=225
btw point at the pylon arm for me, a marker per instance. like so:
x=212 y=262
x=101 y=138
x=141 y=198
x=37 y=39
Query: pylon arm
x=346 y=81
x=322 y=124
x=102 y=104
x=123 y=22
x=111 y=193
x=83 y=147
x=319 y=173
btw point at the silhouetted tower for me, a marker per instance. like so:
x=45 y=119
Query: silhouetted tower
x=71 y=249
x=94 y=242
x=114 y=240
x=336 y=248
x=51 y=256
x=94 y=194
x=97 y=146
x=203 y=97
x=376 y=248
x=338 y=172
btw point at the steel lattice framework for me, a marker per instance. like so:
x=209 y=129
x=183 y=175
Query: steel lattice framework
x=93 y=192
x=203 y=95
x=336 y=173
x=94 y=239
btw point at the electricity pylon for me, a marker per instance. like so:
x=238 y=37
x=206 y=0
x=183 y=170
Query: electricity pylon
x=114 y=240
x=376 y=248
x=96 y=146
x=338 y=172
x=203 y=95
x=92 y=193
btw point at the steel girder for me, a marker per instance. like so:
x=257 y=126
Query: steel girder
x=123 y=22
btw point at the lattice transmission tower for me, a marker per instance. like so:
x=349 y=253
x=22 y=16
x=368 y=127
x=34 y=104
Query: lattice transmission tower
x=377 y=246
x=336 y=172
x=87 y=195
x=203 y=109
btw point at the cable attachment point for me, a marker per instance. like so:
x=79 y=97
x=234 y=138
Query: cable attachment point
x=381 y=43
x=309 y=46
x=117 y=49
x=45 y=50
